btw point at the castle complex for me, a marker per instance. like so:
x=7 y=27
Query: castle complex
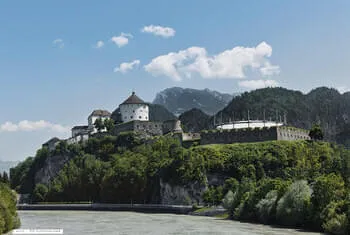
x=135 y=118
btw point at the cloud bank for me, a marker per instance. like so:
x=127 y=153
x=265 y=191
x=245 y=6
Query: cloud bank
x=157 y=30
x=26 y=125
x=231 y=64
x=125 y=67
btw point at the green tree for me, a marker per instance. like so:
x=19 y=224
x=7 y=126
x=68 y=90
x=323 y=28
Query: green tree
x=40 y=193
x=99 y=124
x=5 y=178
x=316 y=132
x=109 y=124
x=227 y=202
x=293 y=208
x=326 y=188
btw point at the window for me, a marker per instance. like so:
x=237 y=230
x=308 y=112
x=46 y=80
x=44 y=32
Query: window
x=133 y=111
x=140 y=117
x=130 y=117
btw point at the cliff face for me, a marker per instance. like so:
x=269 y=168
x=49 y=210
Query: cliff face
x=188 y=194
x=51 y=168
x=180 y=194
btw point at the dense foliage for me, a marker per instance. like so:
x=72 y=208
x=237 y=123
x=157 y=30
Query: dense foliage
x=8 y=215
x=291 y=183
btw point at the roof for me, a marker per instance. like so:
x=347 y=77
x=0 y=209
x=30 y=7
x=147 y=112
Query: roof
x=133 y=99
x=101 y=113
x=80 y=127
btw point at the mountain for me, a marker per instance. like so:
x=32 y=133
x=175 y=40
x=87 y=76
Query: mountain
x=178 y=100
x=194 y=120
x=156 y=113
x=322 y=105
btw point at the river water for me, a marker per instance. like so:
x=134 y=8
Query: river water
x=91 y=222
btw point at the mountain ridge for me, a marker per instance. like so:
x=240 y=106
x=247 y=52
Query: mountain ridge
x=179 y=100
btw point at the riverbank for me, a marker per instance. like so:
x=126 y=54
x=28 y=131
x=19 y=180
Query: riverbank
x=144 y=208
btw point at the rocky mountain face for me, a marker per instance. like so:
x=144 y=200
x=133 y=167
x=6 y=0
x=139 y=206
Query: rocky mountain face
x=178 y=100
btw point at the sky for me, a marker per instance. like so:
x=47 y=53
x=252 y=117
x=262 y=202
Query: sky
x=60 y=60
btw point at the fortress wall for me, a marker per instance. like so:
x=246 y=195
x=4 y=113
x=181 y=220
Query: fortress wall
x=238 y=135
x=190 y=136
x=153 y=128
x=291 y=133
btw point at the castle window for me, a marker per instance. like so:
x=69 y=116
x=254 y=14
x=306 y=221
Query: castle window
x=156 y=125
x=140 y=117
x=133 y=111
x=131 y=117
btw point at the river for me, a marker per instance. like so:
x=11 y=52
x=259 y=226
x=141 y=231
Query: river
x=91 y=222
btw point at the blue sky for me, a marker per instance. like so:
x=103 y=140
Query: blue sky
x=52 y=70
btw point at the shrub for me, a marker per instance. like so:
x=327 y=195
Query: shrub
x=227 y=202
x=335 y=220
x=293 y=207
x=40 y=193
x=267 y=206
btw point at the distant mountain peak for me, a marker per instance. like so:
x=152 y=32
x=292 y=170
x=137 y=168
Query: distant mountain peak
x=178 y=100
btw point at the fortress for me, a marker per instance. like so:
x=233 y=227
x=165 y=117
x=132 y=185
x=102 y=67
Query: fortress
x=135 y=118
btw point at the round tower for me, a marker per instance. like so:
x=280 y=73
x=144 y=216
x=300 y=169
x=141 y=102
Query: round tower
x=134 y=109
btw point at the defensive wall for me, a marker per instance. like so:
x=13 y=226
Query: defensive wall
x=148 y=127
x=253 y=135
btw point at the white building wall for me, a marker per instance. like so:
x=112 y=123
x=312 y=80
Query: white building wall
x=132 y=112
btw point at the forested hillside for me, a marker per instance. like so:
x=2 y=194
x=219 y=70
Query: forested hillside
x=298 y=184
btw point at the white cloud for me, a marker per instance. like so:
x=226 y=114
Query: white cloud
x=26 y=125
x=256 y=84
x=231 y=63
x=125 y=67
x=99 y=44
x=158 y=30
x=58 y=43
x=121 y=40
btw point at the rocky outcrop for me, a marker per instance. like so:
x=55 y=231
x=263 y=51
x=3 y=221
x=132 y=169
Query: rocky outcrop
x=181 y=195
x=188 y=194
x=52 y=166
